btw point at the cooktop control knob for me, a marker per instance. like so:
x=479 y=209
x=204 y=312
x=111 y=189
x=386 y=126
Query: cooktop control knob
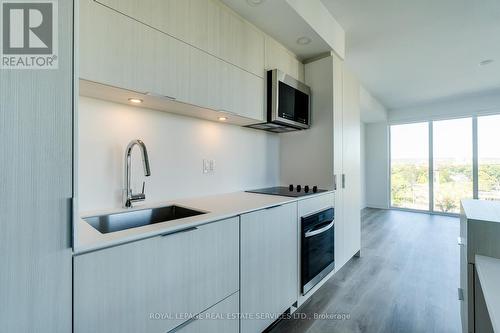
x=299 y=188
x=306 y=188
x=315 y=189
x=290 y=187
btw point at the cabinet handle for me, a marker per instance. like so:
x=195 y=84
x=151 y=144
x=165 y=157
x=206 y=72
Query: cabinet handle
x=152 y=94
x=334 y=182
x=313 y=232
x=460 y=294
x=180 y=231
x=228 y=112
x=275 y=206
x=343 y=180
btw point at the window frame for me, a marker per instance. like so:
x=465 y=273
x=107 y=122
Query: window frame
x=475 y=161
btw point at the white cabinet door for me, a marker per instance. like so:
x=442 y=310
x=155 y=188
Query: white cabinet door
x=269 y=282
x=124 y=288
x=121 y=52
x=169 y=16
x=218 y=85
x=220 y=318
x=337 y=72
x=203 y=78
x=251 y=102
x=351 y=164
x=205 y=24
x=221 y=32
x=277 y=56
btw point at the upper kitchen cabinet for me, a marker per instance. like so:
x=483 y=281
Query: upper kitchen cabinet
x=277 y=56
x=205 y=24
x=121 y=52
x=218 y=85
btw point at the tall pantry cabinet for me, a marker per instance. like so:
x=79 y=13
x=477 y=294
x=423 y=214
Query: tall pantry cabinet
x=330 y=149
x=36 y=131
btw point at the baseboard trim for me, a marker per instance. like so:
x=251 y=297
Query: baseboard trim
x=376 y=206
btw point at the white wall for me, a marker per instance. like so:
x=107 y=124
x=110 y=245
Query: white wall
x=372 y=111
x=462 y=106
x=307 y=156
x=363 y=165
x=377 y=165
x=244 y=158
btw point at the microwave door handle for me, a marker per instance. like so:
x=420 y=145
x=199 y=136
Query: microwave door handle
x=313 y=232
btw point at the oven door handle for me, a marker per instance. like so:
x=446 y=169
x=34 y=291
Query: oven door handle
x=313 y=232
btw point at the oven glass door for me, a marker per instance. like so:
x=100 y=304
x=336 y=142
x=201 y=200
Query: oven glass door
x=293 y=104
x=317 y=249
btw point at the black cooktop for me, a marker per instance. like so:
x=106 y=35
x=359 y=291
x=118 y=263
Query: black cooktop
x=290 y=191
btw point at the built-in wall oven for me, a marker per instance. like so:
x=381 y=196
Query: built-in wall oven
x=317 y=247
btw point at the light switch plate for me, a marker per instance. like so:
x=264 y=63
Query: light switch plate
x=208 y=166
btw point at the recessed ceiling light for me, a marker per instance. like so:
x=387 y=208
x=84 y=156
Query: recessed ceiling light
x=222 y=118
x=486 y=62
x=255 y=3
x=303 y=40
x=135 y=100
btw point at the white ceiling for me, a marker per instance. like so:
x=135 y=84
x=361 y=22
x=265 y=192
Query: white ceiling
x=279 y=20
x=410 y=52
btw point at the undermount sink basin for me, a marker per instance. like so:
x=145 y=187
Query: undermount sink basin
x=138 y=218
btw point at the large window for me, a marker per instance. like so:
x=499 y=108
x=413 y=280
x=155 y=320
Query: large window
x=452 y=162
x=435 y=164
x=410 y=166
x=488 y=130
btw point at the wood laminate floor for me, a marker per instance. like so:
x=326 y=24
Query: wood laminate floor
x=405 y=280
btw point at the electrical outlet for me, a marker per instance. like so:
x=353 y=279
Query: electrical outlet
x=208 y=166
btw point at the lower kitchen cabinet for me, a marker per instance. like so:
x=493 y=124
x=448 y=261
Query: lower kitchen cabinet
x=479 y=234
x=268 y=262
x=220 y=318
x=145 y=286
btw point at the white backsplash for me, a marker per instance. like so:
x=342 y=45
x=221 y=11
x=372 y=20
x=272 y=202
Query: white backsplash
x=244 y=158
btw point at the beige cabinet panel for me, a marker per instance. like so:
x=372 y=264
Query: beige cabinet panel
x=121 y=289
x=269 y=274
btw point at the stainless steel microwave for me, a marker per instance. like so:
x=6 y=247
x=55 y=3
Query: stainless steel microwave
x=288 y=104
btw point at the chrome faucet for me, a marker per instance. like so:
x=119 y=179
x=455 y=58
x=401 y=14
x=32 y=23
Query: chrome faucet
x=128 y=197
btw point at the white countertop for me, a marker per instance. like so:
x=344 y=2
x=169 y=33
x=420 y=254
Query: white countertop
x=488 y=270
x=218 y=207
x=482 y=210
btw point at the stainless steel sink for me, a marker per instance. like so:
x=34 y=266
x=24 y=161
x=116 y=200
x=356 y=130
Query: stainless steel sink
x=138 y=218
